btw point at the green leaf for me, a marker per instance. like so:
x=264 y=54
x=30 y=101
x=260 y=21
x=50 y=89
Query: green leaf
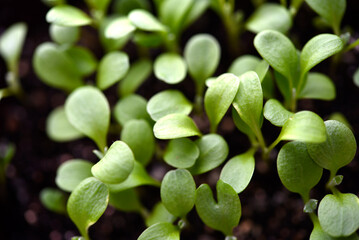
x=11 y=44
x=339 y=148
x=284 y=86
x=341 y=118
x=64 y=35
x=116 y=165
x=318 y=86
x=168 y=102
x=159 y=214
x=138 y=177
x=222 y=215
x=126 y=200
x=59 y=129
x=71 y=173
x=319 y=234
x=119 y=28
x=138 y=73
x=175 y=125
x=98 y=5
x=249 y=100
x=144 y=20
x=275 y=113
x=84 y=60
x=219 y=97
x=130 y=108
x=54 y=200
x=238 y=171
x=181 y=153
x=270 y=16
x=241 y=125
x=88 y=111
x=170 y=68
x=339 y=214
x=161 y=231
x=173 y=14
x=317 y=49
x=148 y=40
x=331 y=11
x=213 y=150
x=138 y=135
x=112 y=68
x=67 y=15
x=124 y=7
x=111 y=44
x=197 y=9
x=202 y=54
x=55 y=68
x=304 y=126
x=244 y=64
x=297 y=171
x=178 y=191
x=87 y=203
x=279 y=52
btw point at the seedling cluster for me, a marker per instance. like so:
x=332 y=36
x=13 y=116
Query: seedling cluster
x=246 y=91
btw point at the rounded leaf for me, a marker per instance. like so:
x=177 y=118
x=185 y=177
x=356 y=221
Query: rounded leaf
x=67 y=15
x=126 y=200
x=275 y=113
x=202 y=53
x=170 y=68
x=318 y=86
x=144 y=20
x=181 y=153
x=116 y=165
x=159 y=214
x=339 y=148
x=168 y=102
x=178 y=191
x=112 y=68
x=88 y=111
x=161 y=231
x=71 y=173
x=213 y=151
x=244 y=64
x=84 y=60
x=87 y=203
x=119 y=28
x=64 y=35
x=54 y=200
x=297 y=171
x=339 y=214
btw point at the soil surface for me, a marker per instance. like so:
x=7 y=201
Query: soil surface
x=269 y=211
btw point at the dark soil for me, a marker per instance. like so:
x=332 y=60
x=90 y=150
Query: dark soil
x=269 y=211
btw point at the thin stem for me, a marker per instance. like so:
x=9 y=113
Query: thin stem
x=351 y=46
x=275 y=143
x=198 y=100
x=261 y=142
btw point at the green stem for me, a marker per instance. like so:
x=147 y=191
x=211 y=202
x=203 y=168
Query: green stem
x=262 y=143
x=198 y=100
x=351 y=46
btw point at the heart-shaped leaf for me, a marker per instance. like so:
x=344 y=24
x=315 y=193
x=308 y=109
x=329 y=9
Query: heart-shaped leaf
x=130 y=108
x=112 y=68
x=116 y=165
x=120 y=27
x=181 y=153
x=317 y=49
x=222 y=215
x=279 y=52
x=270 y=16
x=238 y=171
x=213 y=150
x=64 y=35
x=318 y=86
x=338 y=150
x=297 y=171
x=168 y=102
x=249 y=100
x=304 y=126
x=138 y=73
x=59 y=129
x=202 y=53
x=54 y=200
x=159 y=214
x=331 y=11
x=55 y=68
x=144 y=20
x=138 y=177
x=219 y=97
x=175 y=125
x=275 y=112
x=339 y=214
x=178 y=191
x=126 y=200
x=71 y=173
x=67 y=15
x=138 y=135
x=87 y=203
x=84 y=60
x=170 y=68
x=161 y=231
x=88 y=111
